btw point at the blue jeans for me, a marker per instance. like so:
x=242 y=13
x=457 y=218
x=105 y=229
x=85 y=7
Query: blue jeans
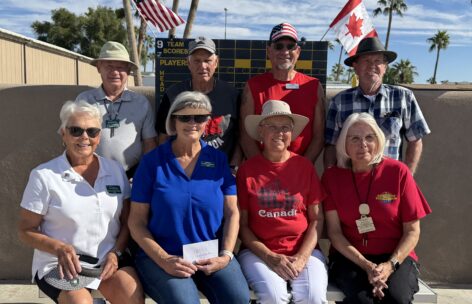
x=227 y=285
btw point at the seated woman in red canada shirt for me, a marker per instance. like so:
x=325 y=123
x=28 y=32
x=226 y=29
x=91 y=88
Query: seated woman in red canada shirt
x=373 y=213
x=279 y=195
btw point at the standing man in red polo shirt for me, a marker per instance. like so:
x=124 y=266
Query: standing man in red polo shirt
x=303 y=93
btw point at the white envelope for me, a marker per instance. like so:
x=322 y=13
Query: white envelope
x=201 y=250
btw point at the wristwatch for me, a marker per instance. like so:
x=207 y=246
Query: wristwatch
x=395 y=263
x=119 y=254
x=227 y=253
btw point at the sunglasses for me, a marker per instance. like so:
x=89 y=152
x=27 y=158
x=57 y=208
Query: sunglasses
x=289 y=46
x=194 y=118
x=78 y=131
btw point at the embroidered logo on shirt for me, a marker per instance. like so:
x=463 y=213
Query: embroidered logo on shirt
x=386 y=197
x=207 y=164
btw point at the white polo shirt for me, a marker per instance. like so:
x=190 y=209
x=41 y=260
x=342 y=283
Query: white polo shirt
x=74 y=212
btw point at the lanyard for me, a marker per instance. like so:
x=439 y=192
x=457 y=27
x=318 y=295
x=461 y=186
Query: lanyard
x=113 y=108
x=366 y=201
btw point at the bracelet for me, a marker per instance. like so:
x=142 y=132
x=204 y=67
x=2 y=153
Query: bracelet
x=227 y=253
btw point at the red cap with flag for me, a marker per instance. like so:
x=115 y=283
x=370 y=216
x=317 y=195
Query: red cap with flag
x=283 y=30
x=352 y=25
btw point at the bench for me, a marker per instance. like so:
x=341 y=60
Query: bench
x=424 y=295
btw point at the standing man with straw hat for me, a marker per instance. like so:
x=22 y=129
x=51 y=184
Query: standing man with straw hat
x=394 y=108
x=128 y=119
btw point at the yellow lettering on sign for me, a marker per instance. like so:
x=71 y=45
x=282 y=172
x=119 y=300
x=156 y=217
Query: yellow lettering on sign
x=175 y=51
x=176 y=43
x=173 y=62
x=161 y=81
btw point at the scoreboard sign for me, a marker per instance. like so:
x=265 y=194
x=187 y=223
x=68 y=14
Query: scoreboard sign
x=239 y=61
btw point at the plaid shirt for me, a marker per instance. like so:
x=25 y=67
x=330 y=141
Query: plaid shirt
x=395 y=109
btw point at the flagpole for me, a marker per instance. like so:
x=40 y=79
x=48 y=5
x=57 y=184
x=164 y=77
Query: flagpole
x=325 y=33
x=147 y=22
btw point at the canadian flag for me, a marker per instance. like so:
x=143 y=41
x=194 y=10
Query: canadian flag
x=352 y=25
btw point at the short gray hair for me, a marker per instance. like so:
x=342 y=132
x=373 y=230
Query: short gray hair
x=344 y=161
x=71 y=108
x=188 y=99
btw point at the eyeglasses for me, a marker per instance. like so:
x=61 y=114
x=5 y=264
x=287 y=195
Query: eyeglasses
x=195 y=118
x=277 y=129
x=289 y=46
x=357 y=139
x=78 y=131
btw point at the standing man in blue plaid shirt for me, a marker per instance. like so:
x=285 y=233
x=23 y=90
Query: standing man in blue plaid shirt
x=394 y=108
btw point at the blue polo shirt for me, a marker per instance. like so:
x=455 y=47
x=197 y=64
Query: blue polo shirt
x=183 y=210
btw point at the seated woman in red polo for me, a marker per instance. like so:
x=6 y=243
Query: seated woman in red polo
x=373 y=213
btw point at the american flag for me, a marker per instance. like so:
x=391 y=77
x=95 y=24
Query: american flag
x=159 y=15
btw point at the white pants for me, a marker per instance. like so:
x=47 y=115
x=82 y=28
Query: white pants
x=308 y=288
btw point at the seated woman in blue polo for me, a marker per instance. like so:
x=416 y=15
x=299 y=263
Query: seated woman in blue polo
x=184 y=193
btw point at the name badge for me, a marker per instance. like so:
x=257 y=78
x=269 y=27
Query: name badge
x=113 y=189
x=112 y=123
x=365 y=224
x=207 y=164
x=292 y=86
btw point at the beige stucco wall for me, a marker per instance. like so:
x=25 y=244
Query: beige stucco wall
x=11 y=62
x=48 y=68
x=29 y=118
x=28 y=61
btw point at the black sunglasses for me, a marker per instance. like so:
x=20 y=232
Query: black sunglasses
x=195 y=118
x=78 y=131
x=280 y=46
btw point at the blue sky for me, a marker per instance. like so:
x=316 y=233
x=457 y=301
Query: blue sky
x=253 y=19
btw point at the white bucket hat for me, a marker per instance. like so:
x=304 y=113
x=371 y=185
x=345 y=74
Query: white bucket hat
x=114 y=51
x=274 y=108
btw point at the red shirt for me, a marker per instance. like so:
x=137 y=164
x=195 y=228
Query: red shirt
x=394 y=199
x=276 y=196
x=302 y=100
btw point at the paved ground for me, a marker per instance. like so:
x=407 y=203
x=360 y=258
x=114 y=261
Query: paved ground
x=24 y=293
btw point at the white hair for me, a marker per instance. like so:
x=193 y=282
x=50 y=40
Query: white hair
x=71 y=108
x=344 y=161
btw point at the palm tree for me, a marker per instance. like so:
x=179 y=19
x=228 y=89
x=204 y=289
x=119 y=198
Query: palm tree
x=403 y=71
x=350 y=74
x=138 y=81
x=337 y=70
x=388 y=8
x=438 y=41
x=191 y=17
x=175 y=7
x=340 y=54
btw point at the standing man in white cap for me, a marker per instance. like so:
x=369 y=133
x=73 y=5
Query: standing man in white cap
x=394 y=108
x=128 y=118
x=303 y=93
x=222 y=130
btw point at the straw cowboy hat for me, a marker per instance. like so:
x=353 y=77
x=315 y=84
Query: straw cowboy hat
x=114 y=51
x=370 y=45
x=274 y=108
